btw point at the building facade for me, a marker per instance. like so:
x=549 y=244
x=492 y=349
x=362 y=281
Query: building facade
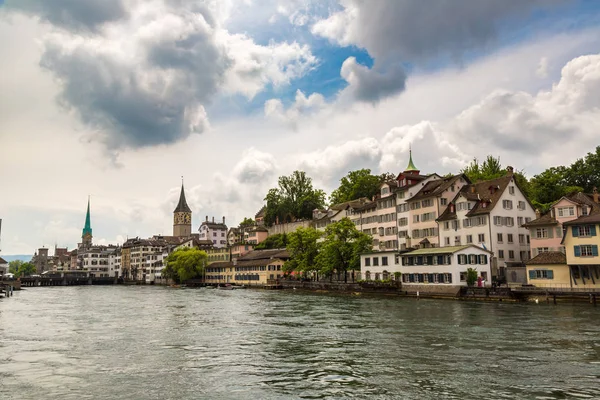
x=490 y=214
x=214 y=231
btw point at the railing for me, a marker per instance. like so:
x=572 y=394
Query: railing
x=556 y=288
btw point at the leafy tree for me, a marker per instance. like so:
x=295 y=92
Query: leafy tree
x=247 y=222
x=303 y=248
x=489 y=169
x=277 y=241
x=20 y=268
x=185 y=263
x=294 y=198
x=341 y=249
x=357 y=184
x=585 y=172
x=471 y=276
x=13 y=266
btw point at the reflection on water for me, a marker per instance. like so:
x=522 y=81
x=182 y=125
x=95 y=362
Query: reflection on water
x=152 y=342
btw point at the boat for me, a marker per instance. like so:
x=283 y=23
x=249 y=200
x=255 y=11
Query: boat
x=225 y=287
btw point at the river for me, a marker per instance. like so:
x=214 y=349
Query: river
x=118 y=342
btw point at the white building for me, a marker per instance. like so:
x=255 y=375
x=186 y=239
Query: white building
x=444 y=266
x=154 y=263
x=490 y=214
x=379 y=265
x=100 y=261
x=214 y=231
x=3 y=266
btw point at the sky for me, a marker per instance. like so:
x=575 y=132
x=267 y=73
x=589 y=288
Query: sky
x=119 y=99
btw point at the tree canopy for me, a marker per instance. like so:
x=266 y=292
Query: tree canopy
x=185 y=263
x=277 y=241
x=357 y=184
x=489 y=169
x=20 y=268
x=247 y=222
x=294 y=198
x=342 y=246
x=303 y=248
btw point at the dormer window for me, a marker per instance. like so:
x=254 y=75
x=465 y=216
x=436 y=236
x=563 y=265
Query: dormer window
x=584 y=210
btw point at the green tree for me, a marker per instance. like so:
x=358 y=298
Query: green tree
x=277 y=241
x=471 y=276
x=13 y=266
x=489 y=169
x=186 y=263
x=357 y=184
x=341 y=249
x=247 y=222
x=585 y=172
x=294 y=198
x=20 y=268
x=303 y=248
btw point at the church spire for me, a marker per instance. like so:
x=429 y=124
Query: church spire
x=411 y=164
x=182 y=206
x=87 y=229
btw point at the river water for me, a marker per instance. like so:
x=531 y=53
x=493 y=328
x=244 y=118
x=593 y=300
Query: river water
x=119 y=342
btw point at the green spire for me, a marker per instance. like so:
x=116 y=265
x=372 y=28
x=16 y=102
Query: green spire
x=411 y=164
x=88 y=225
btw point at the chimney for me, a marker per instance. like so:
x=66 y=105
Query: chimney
x=207 y=218
x=472 y=188
x=537 y=213
x=509 y=170
x=213 y=220
x=595 y=194
x=223 y=220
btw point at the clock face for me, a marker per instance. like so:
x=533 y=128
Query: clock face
x=182 y=218
x=188 y=218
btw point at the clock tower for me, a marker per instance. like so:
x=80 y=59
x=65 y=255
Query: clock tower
x=182 y=217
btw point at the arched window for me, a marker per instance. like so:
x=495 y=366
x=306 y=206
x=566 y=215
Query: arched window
x=368 y=275
x=386 y=275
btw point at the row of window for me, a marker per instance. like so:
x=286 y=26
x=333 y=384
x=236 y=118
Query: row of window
x=584 y=231
x=427 y=278
x=472 y=259
x=430 y=216
x=508 y=205
x=384 y=261
x=427 y=260
x=423 y=233
x=258 y=268
x=541 y=274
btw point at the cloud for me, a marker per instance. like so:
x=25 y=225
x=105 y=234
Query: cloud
x=255 y=167
x=372 y=85
x=144 y=76
x=412 y=31
x=73 y=14
x=542 y=69
x=301 y=107
x=328 y=165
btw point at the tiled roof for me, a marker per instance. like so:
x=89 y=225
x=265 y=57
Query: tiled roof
x=214 y=225
x=220 y=264
x=261 y=212
x=437 y=187
x=545 y=219
x=548 y=257
x=357 y=203
x=182 y=206
x=481 y=193
x=256 y=263
x=265 y=254
x=588 y=219
x=3 y=261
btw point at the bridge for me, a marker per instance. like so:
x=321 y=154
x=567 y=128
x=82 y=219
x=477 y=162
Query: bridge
x=67 y=278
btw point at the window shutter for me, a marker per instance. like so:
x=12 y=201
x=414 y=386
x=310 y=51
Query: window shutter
x=577 y=251
x=575 y=231
x=550 y=274
x=595 y=250
x=550 y=233
x=593 y=230
x=531 y=274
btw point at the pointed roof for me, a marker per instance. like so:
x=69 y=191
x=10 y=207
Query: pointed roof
x=182 y=205
x=88 y=225
x=411 y=164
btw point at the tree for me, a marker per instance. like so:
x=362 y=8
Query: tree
x=295 y=198
x=13 y=266
x=341 y=249
x=471 y=276
x=277 y=241
x=247 y=222
x=303 y=248
x=186 y=263
x=489 y=169
x=20 y=268
x=357 y=184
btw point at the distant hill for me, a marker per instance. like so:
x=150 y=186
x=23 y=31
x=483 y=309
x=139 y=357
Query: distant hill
x=22 y=257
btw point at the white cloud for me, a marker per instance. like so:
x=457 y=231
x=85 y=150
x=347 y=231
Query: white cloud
x=542 y=69
x=300 y=108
